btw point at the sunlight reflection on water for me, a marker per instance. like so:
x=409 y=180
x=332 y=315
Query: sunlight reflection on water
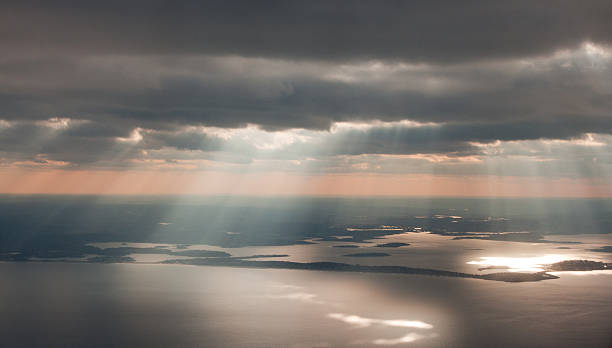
x=362 y=322
x=519 y=264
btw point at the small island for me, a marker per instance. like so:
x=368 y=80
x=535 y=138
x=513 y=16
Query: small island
x=110 y=259
x=578 y=265
x=391 y=245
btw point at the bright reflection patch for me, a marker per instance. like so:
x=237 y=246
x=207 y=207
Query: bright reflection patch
x=362 y=322
x=408 y=338
x=299 y=296
x=519 y=264
x=365 y=322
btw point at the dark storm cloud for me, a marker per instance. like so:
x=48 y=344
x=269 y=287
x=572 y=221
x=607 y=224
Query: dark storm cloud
x=82 y=143
x=554 y=97
x=424 y=31
x=181 y=141
x=137 y=78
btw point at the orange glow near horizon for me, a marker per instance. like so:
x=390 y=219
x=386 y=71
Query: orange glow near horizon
x=276 y=183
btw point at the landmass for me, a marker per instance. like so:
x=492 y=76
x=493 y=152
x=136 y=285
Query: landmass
x=122 y=251
x=81 y=251
x=110 y=259
x=493 y=267
x=391 y=245
x=216 y=258
x=344 y=267
x=578 y=265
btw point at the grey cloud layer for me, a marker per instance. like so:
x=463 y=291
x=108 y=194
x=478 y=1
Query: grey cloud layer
x=559 y=96
x=424 y=31
x=472 y=72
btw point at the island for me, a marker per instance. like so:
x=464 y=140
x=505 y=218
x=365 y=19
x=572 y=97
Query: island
x=578 y=265
x=512 y=277
x=391 y=245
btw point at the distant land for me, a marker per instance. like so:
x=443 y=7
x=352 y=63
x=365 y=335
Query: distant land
x=78 y=220
x=219 y=258
x=75 y=224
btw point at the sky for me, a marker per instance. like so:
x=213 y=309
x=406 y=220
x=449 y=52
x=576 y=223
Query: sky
x=427 y=98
